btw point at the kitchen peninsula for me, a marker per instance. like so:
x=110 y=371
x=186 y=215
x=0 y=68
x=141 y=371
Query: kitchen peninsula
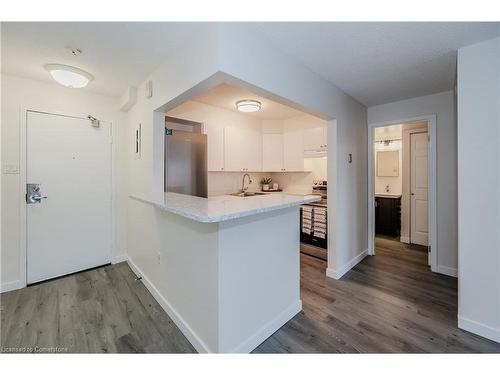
x=226 y=269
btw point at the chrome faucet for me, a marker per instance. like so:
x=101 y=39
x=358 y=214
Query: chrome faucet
x=243 y=188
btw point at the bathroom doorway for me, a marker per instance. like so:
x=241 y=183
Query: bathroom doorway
x=401 y=188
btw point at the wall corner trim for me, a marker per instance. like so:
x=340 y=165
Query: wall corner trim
x=259 y=337
x=480 y=329
x=449 y=271
x=119 y=258
x=11 y=285
x=337 y=274
x=404 y=239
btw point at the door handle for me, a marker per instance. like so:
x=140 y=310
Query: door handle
x=412 y=193
x=33 y=194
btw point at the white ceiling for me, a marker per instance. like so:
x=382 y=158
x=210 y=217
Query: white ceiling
x=373 y=62
x=116 y=54
x=226 y=96
x=379 y=62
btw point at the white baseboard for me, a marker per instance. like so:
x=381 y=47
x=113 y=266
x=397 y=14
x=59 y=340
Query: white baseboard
x=337 y=274
x=119 y=258
x=404 y=239
x=193 y=338
x=11 y=285
x=447 y=271
x=479 y=329
x=260 y=336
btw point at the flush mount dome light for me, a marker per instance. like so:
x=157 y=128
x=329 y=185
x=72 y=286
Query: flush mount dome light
x=248 y=105
x=69 y=76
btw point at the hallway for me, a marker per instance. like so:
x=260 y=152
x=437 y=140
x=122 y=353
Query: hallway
x=388 y=303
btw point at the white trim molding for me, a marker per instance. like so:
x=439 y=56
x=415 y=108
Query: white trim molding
x=480 y=329
x=190 y=334
x=259 y=337
x=119 y=258
x=449 y=271
x=201 y=347
x=11 y=285
x=432 y=122
x=337 y=274
x=404 y=239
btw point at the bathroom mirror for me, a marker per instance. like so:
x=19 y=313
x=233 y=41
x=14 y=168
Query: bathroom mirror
x=387 y=163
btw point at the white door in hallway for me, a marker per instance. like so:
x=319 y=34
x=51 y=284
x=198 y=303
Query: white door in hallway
x=419 y=188
x=69 y=230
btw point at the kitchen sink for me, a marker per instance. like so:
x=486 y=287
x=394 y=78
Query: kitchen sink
x=247 y=194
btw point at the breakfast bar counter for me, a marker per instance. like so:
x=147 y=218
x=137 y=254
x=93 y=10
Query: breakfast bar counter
x=226 y=269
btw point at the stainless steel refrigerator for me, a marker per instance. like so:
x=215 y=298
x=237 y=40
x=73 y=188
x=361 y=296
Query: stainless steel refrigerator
x=186 y=162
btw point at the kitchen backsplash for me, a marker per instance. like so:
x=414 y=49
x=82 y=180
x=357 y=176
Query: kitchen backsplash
x=221 y=183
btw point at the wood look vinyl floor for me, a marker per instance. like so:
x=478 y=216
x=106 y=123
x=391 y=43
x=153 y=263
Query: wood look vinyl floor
x=388 y=303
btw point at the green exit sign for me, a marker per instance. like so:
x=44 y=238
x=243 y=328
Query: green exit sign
x=168 y=131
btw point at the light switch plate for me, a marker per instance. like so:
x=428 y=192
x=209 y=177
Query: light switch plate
x=10 y=169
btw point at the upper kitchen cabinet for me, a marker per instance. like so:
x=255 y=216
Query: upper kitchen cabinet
x=242 y=150
x=272 y=152
x=293 y=158
x=315 y=139
x=282 y=152
x=215 y=147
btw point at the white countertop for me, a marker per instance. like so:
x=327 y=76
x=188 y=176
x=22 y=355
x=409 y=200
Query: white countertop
x=388 y=195
x=227 y=207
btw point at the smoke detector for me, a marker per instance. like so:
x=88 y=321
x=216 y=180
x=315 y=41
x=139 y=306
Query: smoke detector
x=74 y=51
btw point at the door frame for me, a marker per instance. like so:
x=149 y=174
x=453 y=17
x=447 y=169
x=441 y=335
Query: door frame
x=431 y=124
x=23 y=217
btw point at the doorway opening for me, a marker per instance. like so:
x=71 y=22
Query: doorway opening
x=402 y=187
x=277 y=149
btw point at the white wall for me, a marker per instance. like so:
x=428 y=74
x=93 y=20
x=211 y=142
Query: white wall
x=216 y=55
x=479 y=188
x=261 y=64
x=20 y=93
x=443 y=105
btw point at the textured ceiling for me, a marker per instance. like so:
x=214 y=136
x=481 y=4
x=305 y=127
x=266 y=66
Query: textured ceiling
x=379 y=62
x=373 y=62
x=116 y=54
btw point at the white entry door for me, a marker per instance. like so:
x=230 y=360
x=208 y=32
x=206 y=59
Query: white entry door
x=70 y=229
x=419 y=151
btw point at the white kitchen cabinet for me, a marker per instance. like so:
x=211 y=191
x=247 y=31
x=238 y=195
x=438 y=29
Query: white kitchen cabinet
x=293 y=156
x=215 y=147
x=272 y=152
x=282 y=152
x=242 y=150
x=315 y=139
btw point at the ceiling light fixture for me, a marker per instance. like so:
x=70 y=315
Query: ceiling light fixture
x=69 y=76
x=248 y=105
